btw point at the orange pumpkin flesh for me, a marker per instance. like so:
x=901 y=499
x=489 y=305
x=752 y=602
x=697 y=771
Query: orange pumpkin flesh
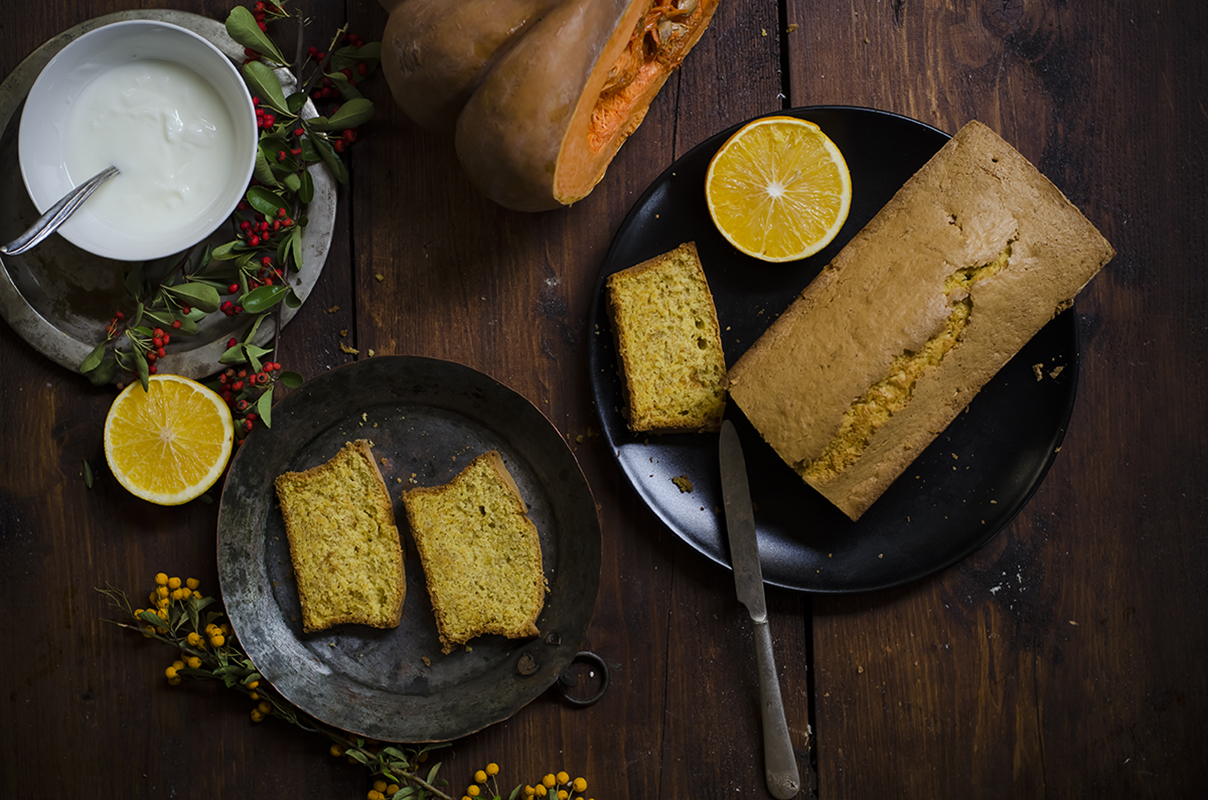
x=544 y=108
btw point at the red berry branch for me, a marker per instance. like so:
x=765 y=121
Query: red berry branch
x=313 y=124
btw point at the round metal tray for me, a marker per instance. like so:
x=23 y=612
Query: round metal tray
x=427 y=419
x=60 y=298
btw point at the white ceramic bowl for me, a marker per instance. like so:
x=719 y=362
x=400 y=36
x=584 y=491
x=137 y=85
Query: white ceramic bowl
x=45 y=135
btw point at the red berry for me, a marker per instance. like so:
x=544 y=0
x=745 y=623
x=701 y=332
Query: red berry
x=234 y=287
x=230 y=343
x=152 y=369
x=176 y=324
x=362 y=69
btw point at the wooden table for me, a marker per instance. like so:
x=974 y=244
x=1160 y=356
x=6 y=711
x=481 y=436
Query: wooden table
x=1064 y=659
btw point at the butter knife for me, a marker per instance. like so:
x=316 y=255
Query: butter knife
x=780 y=763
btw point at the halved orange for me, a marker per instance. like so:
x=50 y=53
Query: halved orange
x=778 y=189
x=168 y=444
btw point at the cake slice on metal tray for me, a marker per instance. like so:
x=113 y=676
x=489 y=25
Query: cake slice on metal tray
x=343 y=541
x=480 y=552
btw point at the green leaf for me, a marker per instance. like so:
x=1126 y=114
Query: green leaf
x=292 y=300
x=138 y=313
x=352 y=114
x=144 y=373
x=344 y=86
x=263 y=170
x=228 y=251
x=93 y=359
x=357 y=755
x=395 y=753
x=134 y=281
x=295 y=247
x=432 y=773
x=306 y=192
x=87 y=474
x=153 y=618
x=234 y=355
x=251 y=333
x=104 y=373
x=198 y=295
x=310 y=153
x=159 y=317
x=295 y=102
x=292 y=380
x=329 y=157
x=262 y=298
x=266 y=201
x=515 y=793
x=187 y=326
x=241 y=26
x=349 y=57
x=264 y=84
x=264 y=407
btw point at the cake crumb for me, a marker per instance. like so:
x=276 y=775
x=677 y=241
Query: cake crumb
x=1038 y=371
x=1056 y=371
x=427 y=661
x=684 y=484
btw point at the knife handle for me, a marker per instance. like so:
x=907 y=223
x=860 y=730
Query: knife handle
x=780 y=762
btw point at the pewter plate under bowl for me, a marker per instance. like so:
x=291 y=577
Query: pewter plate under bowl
x=59 y=298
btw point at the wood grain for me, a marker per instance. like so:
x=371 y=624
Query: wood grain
x=1064 y=659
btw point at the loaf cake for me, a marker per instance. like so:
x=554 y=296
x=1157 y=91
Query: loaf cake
x=969 y=260
x=668 y=344
x=343 y=541
x=480 y=553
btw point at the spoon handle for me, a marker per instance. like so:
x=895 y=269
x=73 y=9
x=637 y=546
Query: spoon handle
x=57 y=214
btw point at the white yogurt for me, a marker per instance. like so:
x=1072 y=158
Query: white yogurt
x=167 y=131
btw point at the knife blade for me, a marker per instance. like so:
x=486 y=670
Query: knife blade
x=780 y=762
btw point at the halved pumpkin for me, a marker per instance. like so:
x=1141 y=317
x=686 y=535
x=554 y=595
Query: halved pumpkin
x=541 y=93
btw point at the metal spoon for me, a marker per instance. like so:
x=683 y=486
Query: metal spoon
x=57 y=214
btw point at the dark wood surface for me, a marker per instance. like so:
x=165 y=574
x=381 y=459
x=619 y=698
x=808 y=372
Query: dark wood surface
x=1064 y=659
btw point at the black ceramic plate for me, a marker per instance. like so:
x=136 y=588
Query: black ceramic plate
x=960 y=491
x=427 y=419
